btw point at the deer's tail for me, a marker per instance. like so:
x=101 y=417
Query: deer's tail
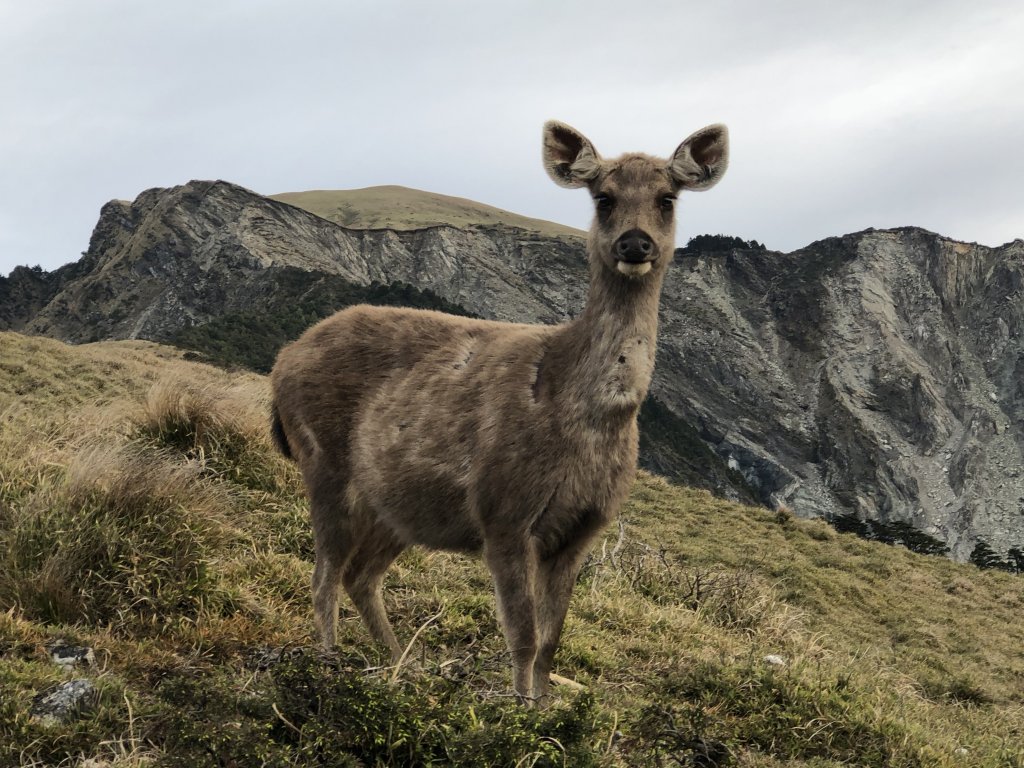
x=277 y=433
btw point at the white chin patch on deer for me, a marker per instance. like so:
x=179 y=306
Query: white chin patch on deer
x=633 y=269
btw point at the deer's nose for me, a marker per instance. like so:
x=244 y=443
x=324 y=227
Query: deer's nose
x=634 y=246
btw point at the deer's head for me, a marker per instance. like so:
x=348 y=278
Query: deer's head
x=633 y=232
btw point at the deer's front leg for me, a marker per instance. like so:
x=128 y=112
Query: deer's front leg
x=557 y=571
x=555 y=582
x=513 y=565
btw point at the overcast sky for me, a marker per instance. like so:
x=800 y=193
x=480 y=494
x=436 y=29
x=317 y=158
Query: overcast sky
x=843 y=116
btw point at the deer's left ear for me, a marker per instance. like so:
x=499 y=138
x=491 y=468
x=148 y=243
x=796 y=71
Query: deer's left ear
x=700 y=161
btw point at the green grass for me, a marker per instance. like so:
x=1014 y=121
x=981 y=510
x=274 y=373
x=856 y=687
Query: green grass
x=395 y=207
x=143 y=512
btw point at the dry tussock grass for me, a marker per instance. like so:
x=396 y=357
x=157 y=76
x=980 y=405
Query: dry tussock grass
x=209 y=412
x=122 y=535
x=222 y=428
x=129 y=479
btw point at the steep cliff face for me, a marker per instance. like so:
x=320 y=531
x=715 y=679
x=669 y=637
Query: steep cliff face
x=877 y=374
x=873 y=374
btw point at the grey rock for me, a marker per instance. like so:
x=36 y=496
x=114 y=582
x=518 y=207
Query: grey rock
x=264 y=657
x=63 y=702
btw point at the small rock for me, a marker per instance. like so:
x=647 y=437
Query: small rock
x=63 y=702
x=775 y=661
x=69 y=656
x=264 y=657
x=993 y=397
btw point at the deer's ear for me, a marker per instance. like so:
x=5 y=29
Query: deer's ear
x=569 y=157
x=700 y=161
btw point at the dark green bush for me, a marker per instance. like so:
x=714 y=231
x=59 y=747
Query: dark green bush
x=340 y=709
x=896 y=532
x=308 y=711
x=296 y=300
x=704 y=716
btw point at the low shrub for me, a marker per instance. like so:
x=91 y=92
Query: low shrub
x=709 y=713
x=316 y=711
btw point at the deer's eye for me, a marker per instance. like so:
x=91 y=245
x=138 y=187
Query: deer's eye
x=667 y=202
x=603 y=202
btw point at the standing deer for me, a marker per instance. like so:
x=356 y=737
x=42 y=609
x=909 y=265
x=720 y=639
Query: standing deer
x=515 y=441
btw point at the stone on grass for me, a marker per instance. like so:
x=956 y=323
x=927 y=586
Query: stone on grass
x=69 y=656
x=63 y=702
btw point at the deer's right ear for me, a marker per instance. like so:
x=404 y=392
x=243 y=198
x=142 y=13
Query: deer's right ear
x=569 y=157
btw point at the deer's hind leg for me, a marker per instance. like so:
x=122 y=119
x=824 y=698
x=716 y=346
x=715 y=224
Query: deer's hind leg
x=374 y=548
x=332 y=541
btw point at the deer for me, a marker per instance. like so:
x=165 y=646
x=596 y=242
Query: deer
x=514 y=442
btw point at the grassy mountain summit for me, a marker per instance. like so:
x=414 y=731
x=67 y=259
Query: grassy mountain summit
x=143 y=513
x=396 y=207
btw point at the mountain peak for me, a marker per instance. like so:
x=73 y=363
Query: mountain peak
x=404 y=208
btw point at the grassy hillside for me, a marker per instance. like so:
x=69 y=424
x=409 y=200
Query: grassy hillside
x=144 y=514
x=397 y=207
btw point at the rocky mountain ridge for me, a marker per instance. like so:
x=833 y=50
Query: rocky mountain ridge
x=878 y=374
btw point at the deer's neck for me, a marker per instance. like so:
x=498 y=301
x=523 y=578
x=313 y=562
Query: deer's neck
x=602 y=361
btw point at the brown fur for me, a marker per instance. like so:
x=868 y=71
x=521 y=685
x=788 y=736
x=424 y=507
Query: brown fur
x=515 y=441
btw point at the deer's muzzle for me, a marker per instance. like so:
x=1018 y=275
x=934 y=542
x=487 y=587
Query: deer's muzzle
x=635 y=247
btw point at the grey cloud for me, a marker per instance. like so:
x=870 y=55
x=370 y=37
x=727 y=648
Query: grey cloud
x=842 y=116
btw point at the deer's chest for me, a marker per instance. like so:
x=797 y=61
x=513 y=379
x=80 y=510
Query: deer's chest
x=622 y=373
